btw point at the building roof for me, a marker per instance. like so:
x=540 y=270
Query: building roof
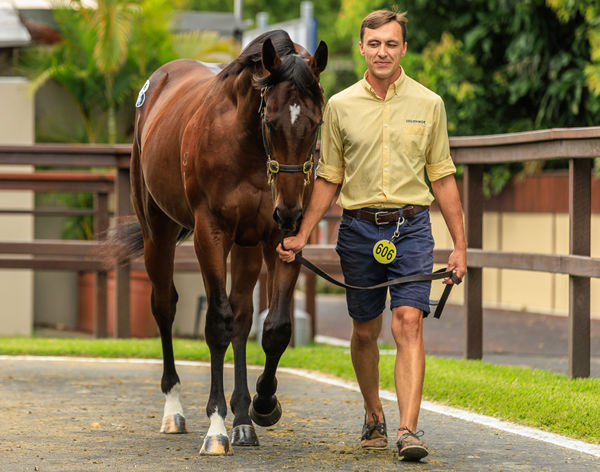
x=44 y=4
x=220 y=22
x=23 y=22
x=12 y=32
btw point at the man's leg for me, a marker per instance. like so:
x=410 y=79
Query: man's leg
x=407 y=329
x=365 y=359
x=409 y=372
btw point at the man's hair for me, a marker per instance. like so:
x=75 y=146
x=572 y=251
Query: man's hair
x=381 y=17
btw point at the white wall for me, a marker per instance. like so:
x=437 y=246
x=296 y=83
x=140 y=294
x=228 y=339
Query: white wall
x=16 y=286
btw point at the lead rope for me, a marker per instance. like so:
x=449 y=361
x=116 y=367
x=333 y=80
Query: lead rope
x=438 y=274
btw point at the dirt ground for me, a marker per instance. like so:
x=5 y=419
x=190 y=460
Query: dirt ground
x=68 y=415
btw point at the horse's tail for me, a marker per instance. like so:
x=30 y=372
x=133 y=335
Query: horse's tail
x=124 y=242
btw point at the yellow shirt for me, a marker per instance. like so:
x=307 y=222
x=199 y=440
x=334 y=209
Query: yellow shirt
x=380 y=148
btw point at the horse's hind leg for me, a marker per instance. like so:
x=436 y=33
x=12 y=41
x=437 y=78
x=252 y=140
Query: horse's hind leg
x=159 y=251
x=245 y=267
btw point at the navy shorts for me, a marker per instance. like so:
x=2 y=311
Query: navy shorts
x=414 y=255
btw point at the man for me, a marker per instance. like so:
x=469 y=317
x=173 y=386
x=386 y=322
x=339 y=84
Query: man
x=378 y=138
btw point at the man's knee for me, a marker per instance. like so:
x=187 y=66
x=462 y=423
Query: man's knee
x=407 y=323
x=366 y=332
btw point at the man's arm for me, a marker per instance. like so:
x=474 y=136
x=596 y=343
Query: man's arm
x=448 y=199
x=320 y=200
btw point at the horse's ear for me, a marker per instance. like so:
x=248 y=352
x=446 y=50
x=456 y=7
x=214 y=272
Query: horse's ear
x=270 y=58
x=319 y=60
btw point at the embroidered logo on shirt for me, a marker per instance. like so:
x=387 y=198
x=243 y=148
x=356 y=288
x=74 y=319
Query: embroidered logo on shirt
x=417 y=122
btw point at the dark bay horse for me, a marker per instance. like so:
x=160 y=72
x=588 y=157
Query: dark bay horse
x=226 y=155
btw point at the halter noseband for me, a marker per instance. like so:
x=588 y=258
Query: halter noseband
x=274 y=167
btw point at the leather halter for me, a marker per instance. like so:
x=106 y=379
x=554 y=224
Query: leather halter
x=274 y=167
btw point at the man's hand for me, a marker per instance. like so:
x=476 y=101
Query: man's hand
x=293 y=245
x=458 y=263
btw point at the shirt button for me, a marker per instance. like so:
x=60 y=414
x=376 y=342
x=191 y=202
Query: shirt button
x=385 y=125
x=386 y=169
x=384 y=147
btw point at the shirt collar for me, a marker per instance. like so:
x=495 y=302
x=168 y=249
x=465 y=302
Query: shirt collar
x=394 y=87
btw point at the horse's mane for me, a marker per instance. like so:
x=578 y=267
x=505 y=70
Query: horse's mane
x=293 y=67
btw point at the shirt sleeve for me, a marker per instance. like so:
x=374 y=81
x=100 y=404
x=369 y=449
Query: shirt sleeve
x=331 y=162
x=438 y=160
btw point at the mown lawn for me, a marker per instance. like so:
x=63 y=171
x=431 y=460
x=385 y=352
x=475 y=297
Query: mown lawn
x=531 y=397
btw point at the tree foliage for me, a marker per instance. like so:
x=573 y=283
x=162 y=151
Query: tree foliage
x=107 y=53
x=501 y=65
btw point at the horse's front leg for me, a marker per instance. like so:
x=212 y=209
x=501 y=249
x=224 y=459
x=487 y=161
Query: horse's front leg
x=277 y=330
x=245 y=268
x=218 y=329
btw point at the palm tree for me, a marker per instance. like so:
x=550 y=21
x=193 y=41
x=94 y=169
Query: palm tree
x=106 y=54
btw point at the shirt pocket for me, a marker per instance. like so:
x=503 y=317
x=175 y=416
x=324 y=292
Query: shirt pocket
x=414 y=140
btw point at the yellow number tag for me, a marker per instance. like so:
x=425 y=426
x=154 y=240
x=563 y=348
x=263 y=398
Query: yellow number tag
x=384 y=251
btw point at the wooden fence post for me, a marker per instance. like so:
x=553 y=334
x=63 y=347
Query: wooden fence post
x=122 y=314
x=580 y=192
x=310 y=286
x=101 y=227
x=473 y=197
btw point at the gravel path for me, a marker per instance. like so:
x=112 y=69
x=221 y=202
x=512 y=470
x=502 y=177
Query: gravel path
x=68 y=415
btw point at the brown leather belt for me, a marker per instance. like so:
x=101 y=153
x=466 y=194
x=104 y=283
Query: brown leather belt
x=384 y=216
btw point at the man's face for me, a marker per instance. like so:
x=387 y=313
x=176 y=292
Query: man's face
x=383 y=48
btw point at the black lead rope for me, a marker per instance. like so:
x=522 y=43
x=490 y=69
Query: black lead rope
x=438 y=274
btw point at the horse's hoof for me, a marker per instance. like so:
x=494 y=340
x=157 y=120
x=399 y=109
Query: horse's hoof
x=217 y=445
x=267 y=419
x=244 y=435
x=173 y=424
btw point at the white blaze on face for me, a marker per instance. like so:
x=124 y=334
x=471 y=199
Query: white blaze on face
x=294 y=112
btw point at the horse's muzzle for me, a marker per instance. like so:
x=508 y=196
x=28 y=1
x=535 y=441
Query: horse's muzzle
x=288 y=219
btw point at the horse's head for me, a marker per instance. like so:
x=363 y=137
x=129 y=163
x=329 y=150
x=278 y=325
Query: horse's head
x=291 y=113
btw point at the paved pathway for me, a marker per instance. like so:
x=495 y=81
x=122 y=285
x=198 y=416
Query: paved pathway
x=68 y=415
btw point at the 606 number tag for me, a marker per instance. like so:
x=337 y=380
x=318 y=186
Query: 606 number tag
x=384 y=251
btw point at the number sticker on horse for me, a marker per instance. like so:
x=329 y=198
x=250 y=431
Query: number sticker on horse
x=142 y=95
x=384 y=251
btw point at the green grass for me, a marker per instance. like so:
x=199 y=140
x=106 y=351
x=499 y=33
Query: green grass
x=530 y=397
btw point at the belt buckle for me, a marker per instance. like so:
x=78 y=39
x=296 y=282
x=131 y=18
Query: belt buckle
x=381 y=213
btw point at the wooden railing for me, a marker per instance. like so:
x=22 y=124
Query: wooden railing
x=73 y=255
x=579 y=145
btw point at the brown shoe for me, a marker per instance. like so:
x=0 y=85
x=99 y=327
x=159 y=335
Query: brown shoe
x=410 y=447
x=374 y=434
